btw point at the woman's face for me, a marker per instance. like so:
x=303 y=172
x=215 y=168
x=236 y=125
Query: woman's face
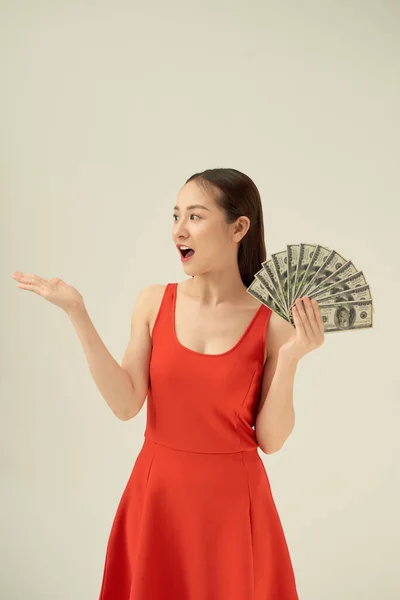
x=199 y=223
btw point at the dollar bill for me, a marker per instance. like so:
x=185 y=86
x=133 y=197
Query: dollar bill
x=348 y=283
x=257 y=290
x=306 y=253
x=341 y=291
x=341 y=273
x=266 y=281
x=357 y=294
x=321 y=257
x=293 y=252
x=281 y=267
x=346 y=315
x=269 y=268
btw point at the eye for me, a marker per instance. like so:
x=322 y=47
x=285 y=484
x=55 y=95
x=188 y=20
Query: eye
x=198 y=216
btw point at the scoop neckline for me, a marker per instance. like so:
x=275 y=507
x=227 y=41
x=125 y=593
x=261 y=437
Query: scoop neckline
x=175 y=287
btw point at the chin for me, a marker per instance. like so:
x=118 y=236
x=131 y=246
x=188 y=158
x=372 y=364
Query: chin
x=189 y=270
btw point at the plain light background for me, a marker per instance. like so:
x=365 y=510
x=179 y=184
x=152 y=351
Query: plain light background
x=106 y=109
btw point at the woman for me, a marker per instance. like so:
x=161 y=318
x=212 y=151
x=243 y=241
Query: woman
x=197 y=520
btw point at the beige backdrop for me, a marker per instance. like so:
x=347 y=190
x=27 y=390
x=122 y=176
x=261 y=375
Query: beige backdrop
x=105 y=110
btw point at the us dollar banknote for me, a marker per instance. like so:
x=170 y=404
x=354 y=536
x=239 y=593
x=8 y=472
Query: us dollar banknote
x=320 y=257
x=267 y=282
x=293 y=251
x=333 y=265
x=269 y=269
x=257 y=290
x=305 y=256
x=357 y=294
x=347 y=315
x=342 y=315
x=357 y=280
x=341 y=291
x=281 y=268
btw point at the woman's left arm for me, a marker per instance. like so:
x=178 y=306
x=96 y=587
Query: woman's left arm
x=286 y=346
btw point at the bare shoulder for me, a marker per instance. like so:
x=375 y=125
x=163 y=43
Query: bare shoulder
x=154 y=294
x=153 y=290
x=146 y=295
x=143 y=306
x=279 y=332
x=156 y=290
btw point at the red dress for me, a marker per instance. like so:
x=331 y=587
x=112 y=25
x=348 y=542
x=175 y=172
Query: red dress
x=197 y=519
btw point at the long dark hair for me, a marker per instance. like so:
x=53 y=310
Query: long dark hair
x=238 y=196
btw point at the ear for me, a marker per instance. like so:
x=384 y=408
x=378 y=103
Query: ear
x=241 y=227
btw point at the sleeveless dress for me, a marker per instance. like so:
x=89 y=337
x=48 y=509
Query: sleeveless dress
x=197 y=519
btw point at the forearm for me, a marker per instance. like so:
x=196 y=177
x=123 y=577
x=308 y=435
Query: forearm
x=275 y=420
x=113 y=383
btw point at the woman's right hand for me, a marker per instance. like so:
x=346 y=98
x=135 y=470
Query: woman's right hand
x=54 y=290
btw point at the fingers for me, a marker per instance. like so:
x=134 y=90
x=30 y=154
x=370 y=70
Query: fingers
x=312 y=322
x=28 y=277
x=318 y=317
x=299 y=318
x=311 y=319
x=28 y=281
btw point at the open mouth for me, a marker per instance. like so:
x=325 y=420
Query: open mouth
x=186 y=252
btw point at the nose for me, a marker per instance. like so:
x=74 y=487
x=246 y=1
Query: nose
x=180 y=229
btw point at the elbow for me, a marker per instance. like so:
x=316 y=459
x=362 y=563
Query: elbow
x=131 y=408
x=127 y=416
x=272 y=447
x=131 y=412
x=269 y=449
x=122 y=416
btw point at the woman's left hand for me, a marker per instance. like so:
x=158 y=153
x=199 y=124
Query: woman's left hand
x=309 y=328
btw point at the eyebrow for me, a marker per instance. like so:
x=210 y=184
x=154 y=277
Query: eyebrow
x=193 y=206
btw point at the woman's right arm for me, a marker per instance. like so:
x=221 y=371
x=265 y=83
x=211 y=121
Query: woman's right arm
x=124 y=387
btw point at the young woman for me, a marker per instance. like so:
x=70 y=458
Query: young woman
x=197 y=519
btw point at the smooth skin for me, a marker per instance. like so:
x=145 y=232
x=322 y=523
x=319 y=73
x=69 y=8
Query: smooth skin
x=54 y=290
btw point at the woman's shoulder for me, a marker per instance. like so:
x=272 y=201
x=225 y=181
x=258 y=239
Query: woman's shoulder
x=155 y=293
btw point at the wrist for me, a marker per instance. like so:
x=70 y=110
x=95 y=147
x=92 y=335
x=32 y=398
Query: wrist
x=76 y=310
x=289 y=355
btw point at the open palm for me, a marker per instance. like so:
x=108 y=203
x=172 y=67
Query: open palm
x=54 y=290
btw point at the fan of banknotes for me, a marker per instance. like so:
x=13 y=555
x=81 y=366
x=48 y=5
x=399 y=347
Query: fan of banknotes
x=312 y=270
